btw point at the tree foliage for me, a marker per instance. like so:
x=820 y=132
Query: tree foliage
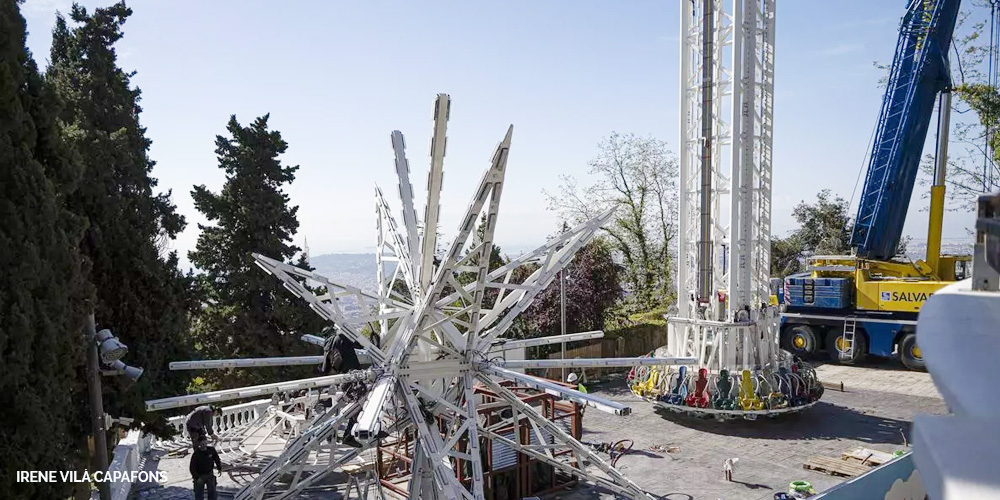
x=42 y=286
x=593 y=287
x=246 y=313
x=637 y=177
x=824 y=229
x=141 y=294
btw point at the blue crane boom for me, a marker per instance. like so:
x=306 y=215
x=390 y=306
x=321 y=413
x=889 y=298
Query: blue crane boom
x=919 y=72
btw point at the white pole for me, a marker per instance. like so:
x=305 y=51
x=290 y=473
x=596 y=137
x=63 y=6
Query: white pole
x=562 y=316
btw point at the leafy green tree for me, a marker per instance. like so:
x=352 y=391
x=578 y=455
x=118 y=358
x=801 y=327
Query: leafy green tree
x=637 y=176
x=824 y=226
x=824 y=229
x=141 y=294
x=42 y=286
x=786 y=255
x=248 y=313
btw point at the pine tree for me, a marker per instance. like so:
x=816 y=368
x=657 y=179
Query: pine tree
x=247 y=313
x=141 y=294
x=42 y=289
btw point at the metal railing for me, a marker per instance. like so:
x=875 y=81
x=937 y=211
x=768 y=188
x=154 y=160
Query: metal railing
x=232 y=417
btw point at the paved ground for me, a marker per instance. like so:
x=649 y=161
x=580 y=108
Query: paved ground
x=875 y=411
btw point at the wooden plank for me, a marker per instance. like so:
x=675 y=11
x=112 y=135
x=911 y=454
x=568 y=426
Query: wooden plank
x=868 y=456
x=835 y=466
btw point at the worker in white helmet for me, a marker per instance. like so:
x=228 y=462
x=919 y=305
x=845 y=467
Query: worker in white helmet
x=573 y=379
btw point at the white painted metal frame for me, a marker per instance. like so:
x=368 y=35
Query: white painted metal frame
x=215 y=364
x=742 y=103
x=507 y=345
x=742 y=112
x=255 y=391
x=751 y=171
x=439 y=317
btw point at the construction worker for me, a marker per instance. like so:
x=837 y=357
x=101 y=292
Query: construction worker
x=202 y=460
x=573 y=379
x=339 y=356
x=199 y=423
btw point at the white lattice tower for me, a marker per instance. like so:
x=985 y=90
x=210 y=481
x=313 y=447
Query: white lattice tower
x=724 y=318
x=439 y=320
x=739 y=131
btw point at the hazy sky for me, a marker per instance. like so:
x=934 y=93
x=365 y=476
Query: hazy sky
x=338 y=77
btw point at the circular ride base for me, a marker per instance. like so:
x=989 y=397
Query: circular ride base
x=728 y=395
x=741 y=372
x=723 y=415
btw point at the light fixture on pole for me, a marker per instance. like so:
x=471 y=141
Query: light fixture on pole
x=120 y=368
x=104 y=353
x=111 y=348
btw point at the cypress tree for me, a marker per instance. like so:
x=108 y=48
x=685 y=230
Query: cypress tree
x=247 y=313
x=141 y=295
x=42 y=288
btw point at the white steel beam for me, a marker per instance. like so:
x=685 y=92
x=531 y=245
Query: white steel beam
x=369 y=424
x=552 y=257
x=472 y=441
x=314 y=339
x=410 y=221
x=331 y=312
x=506 y=345
x=432 y=445
x=560 y=391
x=484 y=238
x=594 y=362
x=254 y=391
x=439 y=141
x=212 y=364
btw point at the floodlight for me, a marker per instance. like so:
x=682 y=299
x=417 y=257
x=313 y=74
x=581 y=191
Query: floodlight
x=132 y=372
x=112 y=349
x=103 y=335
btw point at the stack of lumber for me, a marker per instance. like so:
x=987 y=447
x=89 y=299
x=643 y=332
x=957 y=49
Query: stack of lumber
x=850 y=463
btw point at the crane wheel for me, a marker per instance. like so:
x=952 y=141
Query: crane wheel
x=800 y=340
x=835 y=344
x=910 y=354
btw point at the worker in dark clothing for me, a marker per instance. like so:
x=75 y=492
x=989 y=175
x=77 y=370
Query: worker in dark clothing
x=199 y=423
x=339 y=356
x=202 y=460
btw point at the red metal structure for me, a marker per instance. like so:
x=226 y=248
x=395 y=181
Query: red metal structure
x=507 y=475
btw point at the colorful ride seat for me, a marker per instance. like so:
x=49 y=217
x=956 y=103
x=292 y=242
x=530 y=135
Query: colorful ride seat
x=748 y=394
x=774 y=398
x=679 y=392
x=814 y=388
x=700 y=398
x=784 y=382
x=645 y=384
x=800 y=394
x=723 y=399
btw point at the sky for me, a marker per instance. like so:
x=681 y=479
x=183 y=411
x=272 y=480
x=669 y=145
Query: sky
x=338 y=77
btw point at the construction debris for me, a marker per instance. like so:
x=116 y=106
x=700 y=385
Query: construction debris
x=664 y=448
x=867 y=456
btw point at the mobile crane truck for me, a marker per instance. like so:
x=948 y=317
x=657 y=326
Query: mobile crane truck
x=867 y=303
